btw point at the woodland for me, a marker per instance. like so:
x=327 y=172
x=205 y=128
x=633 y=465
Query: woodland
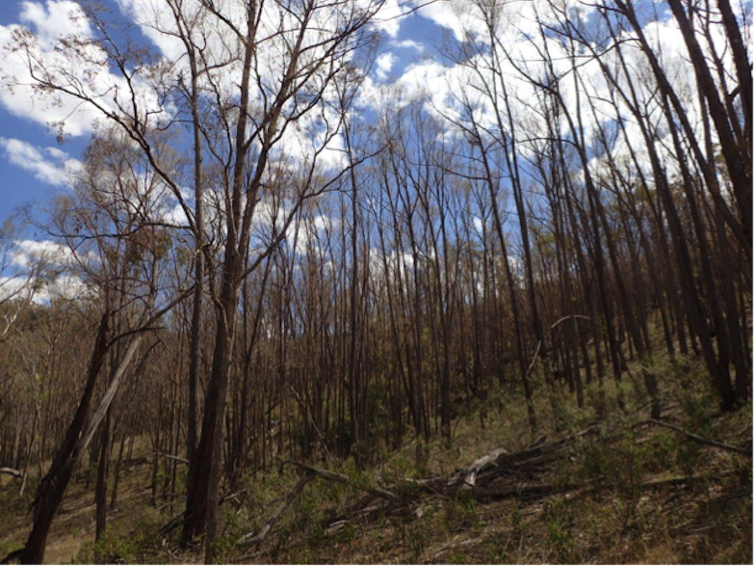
x=282 y=313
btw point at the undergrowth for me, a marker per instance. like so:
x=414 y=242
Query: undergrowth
x=634 y=492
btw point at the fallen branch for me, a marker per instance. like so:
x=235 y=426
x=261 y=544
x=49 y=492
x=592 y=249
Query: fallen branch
x=310 y=475
x=340 y=478
x=492 y=477
x=275 y=517
x=170 y=457
x=536 y=491
x=679 y=480
x=481 y=464
x=474 y=481
x=702 y=440
x=11 y=472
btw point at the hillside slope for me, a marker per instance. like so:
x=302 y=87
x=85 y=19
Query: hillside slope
x=620 y=489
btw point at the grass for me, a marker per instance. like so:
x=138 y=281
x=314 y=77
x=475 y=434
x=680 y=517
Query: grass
x=618 y=515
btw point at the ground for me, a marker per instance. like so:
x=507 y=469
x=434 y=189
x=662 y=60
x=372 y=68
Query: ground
x=634 y=492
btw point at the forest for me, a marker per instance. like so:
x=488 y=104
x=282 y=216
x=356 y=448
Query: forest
x=290 y=308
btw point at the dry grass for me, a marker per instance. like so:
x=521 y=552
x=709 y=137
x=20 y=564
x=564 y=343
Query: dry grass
x=612 y=517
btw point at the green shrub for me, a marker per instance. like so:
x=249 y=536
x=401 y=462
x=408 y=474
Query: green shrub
x=460 y=513
x=560 y=523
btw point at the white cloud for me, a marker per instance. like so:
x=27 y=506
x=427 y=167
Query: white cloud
x=54 y=44
x=408 y=44
x=434 y=82
x=384 y=63
x=14 y=287
x=55 y=20
x=50 y=165
x=459 y=16
x=41 y=270
x=27 y=252
x=397 y=264
x=48 y=23
x=388 y=18
x=64 y=286
x=67 y=287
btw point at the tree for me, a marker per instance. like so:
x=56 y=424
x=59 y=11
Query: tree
x=108 y=228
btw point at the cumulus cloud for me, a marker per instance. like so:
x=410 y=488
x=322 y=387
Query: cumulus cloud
x=14 y=287
x=459 y=16
x=55 y=20
x=49 y=165
x=23 y=288
x=388 y=19
x=39 y=271
x=48 y=22
x=29 y=252
x=34 y=51
x=384 y=63
x=64 y=286
x=408 y=44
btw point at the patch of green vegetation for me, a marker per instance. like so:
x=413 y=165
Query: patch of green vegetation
x=460 y=513
x=8 y=546
x=560 y=524
x=116 y=546
x=416 y=536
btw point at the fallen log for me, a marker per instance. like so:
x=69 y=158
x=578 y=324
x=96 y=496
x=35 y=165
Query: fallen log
x=340 y=478
x=536 y=491
x=498 y=463
x=495 y=476
x=482 y=463
x=533 y=457
x=170 y=457
x=475 y=482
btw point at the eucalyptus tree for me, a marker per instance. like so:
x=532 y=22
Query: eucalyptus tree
x=713 y=316
x=111 y=226
x=267 y=69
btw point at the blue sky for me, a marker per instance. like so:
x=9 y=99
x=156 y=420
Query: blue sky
x=17 y=185
x=28 y=156
x=34 y=164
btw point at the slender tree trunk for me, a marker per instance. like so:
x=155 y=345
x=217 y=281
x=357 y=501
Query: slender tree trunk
x=53 y=485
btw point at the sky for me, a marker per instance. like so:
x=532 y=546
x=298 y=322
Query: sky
x=34 y=164
x=42 y=140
